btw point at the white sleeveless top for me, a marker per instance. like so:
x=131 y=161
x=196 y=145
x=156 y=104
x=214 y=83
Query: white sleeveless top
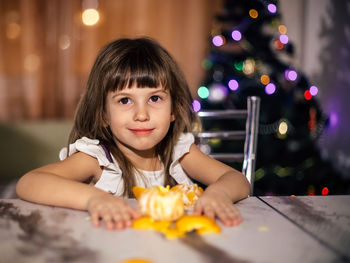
x=111 y=178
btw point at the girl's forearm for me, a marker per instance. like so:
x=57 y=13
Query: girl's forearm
x=233 y=184
x=50 y=189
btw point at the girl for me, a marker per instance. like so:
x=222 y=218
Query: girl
x=133 y=127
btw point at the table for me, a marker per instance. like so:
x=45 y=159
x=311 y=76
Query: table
x=275 y=229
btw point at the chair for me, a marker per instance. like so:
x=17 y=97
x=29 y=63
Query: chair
x=249 y=135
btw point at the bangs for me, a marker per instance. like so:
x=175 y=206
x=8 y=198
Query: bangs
x=139 y=68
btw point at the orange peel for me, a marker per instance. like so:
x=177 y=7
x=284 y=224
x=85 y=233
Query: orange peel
x=137 y=191
x=190 y=193
x=201 y=224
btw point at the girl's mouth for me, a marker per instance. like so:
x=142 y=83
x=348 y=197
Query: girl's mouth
x=141 y=131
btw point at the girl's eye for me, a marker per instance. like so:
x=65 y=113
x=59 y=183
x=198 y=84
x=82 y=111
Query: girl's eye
x=124 y=101
x=155 y=98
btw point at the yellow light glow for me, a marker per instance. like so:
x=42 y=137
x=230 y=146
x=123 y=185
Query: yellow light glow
x=90 y=17
x=265 y=79
x=283 y=128
x=253 y=13
x=249 y=67
x=282 y=29
x=13 y=30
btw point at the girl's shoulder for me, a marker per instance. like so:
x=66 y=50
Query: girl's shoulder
x=92 y=147
x=183 y=145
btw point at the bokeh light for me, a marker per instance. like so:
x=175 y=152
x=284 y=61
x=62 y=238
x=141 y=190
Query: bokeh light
x=307 y=95
x=218 y=40
x=217 y=93
x=270 y=88
x=278 y=44
x=313 y=90
x=239 y=65
x=325 y=191
x=90 y=16
x=233 y=84
x=283 y=128
x=272 y=8
x=265 y=79
x=196 y=105
x=253 y=13
x=203 y=92
x=249 y=66
x=284 y=39
x=290 y=75
x=282 y=29
x=333 y=119
x=236 y=35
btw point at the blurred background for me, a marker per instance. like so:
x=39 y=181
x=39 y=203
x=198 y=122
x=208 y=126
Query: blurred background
x=283 y=48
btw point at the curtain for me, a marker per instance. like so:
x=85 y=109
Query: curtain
x=46 y=52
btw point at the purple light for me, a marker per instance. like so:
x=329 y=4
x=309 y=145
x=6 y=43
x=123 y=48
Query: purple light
x=236 y=35
x=233 y=84
x=196 y=105
x=313 y=90
x=284 y=39
x=270 y=88
x=217 y=93
x=333 y=119
x=272 y=8
x=218 y=41
x=290 y=75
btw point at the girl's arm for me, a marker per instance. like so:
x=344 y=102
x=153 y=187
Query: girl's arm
x=61 y=184
x=225 y=186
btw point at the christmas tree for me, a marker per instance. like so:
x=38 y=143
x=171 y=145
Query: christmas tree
x=250 y=55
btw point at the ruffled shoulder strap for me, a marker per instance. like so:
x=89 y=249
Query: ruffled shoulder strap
x=93 y=148
x=180 y=149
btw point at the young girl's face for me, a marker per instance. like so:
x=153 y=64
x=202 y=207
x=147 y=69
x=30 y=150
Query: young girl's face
x=139 y=117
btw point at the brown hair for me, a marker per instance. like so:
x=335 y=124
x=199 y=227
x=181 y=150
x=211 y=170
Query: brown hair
x=120 y=64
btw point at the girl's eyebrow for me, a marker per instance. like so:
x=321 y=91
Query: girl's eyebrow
x=123 y=93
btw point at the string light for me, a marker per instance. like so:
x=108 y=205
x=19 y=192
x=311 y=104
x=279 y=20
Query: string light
x=272 y=8
x=284 y=39
x=307 y=95
x=283 y=128
x=217 y=93
x=236 y=35
x=270 y=88
x=249 y=66
x=203 y=92
x=265 y=79
x=239 y=65
x=290 y=75
x=253 y=13
x=218 y=40
x=313 y=90
x=325 y=191
x=233 y=84
x=196 y=105
x=278 y=44
x=282 y=29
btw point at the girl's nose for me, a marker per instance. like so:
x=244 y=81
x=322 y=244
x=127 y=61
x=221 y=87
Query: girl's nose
x=141 y=113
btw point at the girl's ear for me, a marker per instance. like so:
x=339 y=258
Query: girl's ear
x=172 y=117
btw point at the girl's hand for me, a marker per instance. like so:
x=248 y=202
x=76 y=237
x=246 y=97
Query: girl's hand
x=114 y=211
x=218 y=205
